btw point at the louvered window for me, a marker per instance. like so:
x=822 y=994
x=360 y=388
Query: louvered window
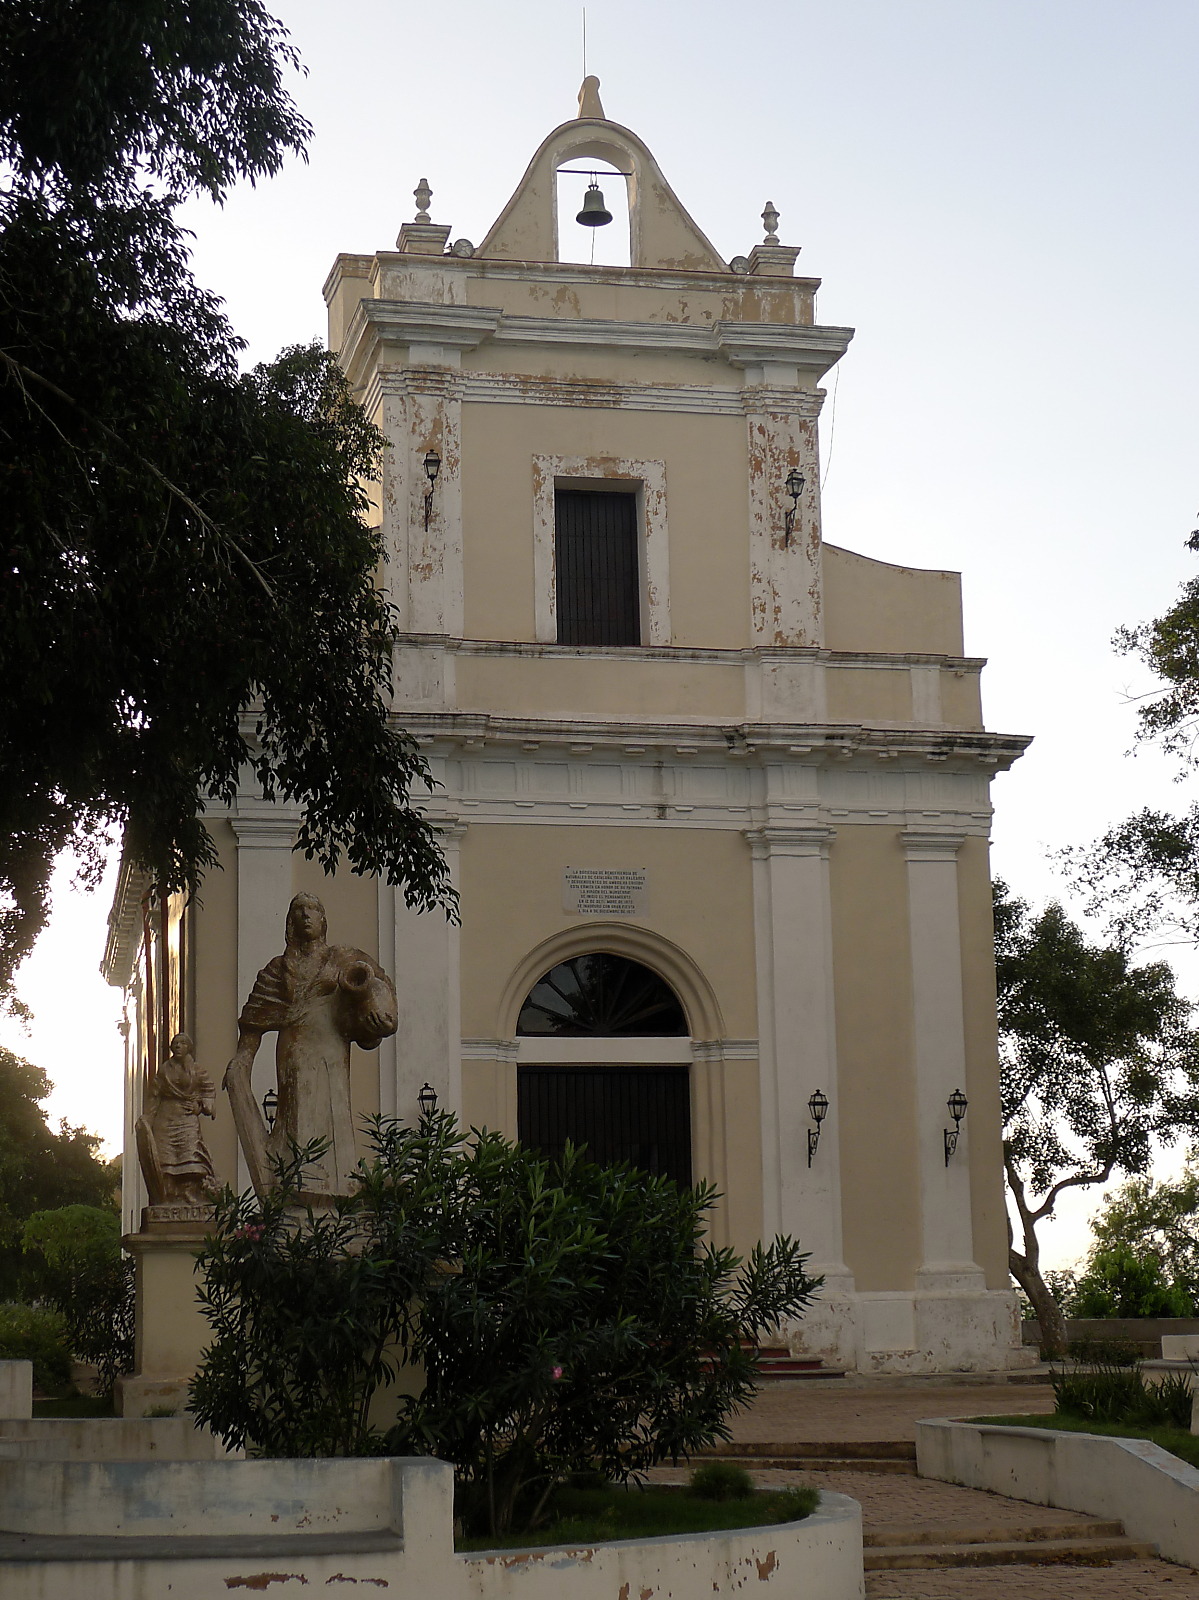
x=597 y=570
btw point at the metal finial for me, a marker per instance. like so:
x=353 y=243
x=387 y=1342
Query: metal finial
x=422 y=194
x=770 y=221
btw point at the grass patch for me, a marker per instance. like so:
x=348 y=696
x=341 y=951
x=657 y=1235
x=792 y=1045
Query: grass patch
x=74 y=1405
x=596 y=1516
x=1177 y=1441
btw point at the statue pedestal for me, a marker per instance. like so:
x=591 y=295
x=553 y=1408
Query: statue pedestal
x=170 y=1330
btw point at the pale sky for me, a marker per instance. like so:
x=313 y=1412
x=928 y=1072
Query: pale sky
x=999 y=195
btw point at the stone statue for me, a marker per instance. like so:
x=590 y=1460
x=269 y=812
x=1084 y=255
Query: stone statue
x=320 y=999
x=175 y=1160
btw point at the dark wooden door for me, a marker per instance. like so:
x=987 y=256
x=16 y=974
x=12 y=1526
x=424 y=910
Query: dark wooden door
x=596 y=568
x=641 y=1115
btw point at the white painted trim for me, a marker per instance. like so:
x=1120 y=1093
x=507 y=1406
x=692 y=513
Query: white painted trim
x=649 y=480
x=636 y=1051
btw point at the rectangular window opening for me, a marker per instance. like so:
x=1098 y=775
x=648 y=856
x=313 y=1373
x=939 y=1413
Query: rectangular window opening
x=597 y=567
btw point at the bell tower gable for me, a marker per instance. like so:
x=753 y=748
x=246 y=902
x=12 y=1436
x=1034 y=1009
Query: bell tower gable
x=662 y=233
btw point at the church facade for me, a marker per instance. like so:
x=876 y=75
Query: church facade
x=716 y=793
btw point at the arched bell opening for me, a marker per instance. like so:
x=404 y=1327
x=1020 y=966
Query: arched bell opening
x=591 y=188
x=605 y=1062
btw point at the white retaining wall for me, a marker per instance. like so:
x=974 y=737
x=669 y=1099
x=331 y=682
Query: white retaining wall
x=1154 y=1494
x=199 y=1530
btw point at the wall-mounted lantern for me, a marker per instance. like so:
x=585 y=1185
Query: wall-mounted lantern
x=818 y=1107
x=270 y=1108
x=427 y=1101
x=432 y=468
x=957 y=1104
x=795 y=485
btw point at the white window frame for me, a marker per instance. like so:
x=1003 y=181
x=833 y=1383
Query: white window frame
x=619 y=473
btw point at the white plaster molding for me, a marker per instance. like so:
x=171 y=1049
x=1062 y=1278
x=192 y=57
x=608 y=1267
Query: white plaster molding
x=648 y=479
x=533 y=1049
x=926 y=693
x=426 y=949
x=124 y=925
x=493 y=388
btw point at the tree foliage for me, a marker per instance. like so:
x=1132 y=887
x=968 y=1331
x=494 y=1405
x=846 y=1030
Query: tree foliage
x=1156 y=1219
x=1120 y=1282
x=1143 y=874
x=1098 y=1060
x=79 y=1268
x=40 y=1169
x=567 y=1318
x=189 y=579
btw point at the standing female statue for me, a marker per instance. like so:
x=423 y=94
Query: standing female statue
x=175 y=1160
x=320 y=999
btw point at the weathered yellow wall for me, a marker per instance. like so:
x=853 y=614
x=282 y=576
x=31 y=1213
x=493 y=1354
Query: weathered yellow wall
x=705 y=461
x=700 y=898
x=869 y=694
x=877 y=1131
x=872 y=605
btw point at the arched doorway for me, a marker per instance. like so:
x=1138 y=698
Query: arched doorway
x=610 y=1087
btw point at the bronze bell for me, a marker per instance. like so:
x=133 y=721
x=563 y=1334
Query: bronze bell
x=594 y=213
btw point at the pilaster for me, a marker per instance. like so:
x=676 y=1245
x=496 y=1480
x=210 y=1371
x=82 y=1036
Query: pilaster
x=797 y=1033
x=946 y=1228
x=424 y=947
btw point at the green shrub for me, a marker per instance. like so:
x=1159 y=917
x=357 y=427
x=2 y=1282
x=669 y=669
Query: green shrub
x=792 y=1505
x=1122 y=1395
x=75 y=1260
x=1107 y=1352
x=37 y=1334
x=586 y=1322
x=720 y=1480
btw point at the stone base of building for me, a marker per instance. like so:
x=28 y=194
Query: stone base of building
x=950 y=1322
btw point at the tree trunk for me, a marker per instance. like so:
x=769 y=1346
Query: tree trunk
x=1027 y=1274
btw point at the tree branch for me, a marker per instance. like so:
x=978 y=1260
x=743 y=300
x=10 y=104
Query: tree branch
x=23 y=372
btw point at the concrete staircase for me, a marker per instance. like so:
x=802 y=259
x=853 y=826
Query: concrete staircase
x=1059 y=1540
x=853 y=1455
x=776 y=1364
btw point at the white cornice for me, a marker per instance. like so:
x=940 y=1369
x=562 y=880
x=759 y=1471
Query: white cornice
x=124 y=924
x=558 y=272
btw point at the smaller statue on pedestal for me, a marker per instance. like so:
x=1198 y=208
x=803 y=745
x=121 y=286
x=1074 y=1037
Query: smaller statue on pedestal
x=175 y=1162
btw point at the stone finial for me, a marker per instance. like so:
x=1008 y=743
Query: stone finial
x=770 y=221
x=422 y=195
x=590 y=107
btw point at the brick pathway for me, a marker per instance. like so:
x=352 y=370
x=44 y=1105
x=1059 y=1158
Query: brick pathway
x=1123 y=1580
x=819 y=1413
x=828 y=1411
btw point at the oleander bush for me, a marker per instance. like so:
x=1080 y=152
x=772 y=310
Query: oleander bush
x=569 y=1318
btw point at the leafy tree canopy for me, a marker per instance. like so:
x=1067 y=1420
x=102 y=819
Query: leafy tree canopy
x=1156 y=1219
x=39 y=1169
x=1120 y=1282
x=188 y=574
x=1098 y=1060
x=1143 y=875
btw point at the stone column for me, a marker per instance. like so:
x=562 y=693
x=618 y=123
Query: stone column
x=265 y=837
x=427 y=1047
x=947 y=1236
x=798 y=1055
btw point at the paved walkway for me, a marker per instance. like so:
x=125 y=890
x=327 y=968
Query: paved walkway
x=822 y=1411
x=811 y=1413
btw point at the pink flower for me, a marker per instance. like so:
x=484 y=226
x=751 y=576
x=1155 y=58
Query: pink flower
x=252 y=1231
x=555 y=1373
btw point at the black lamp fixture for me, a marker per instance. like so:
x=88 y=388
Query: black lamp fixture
x=270 y=1108
x=818 y=1106
x=795 y=484
x=427 y=1100
x=956 y=1104
x=432 y=468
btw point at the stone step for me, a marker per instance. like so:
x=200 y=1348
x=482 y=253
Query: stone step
x=1006 y=1552
x=891 y=1535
